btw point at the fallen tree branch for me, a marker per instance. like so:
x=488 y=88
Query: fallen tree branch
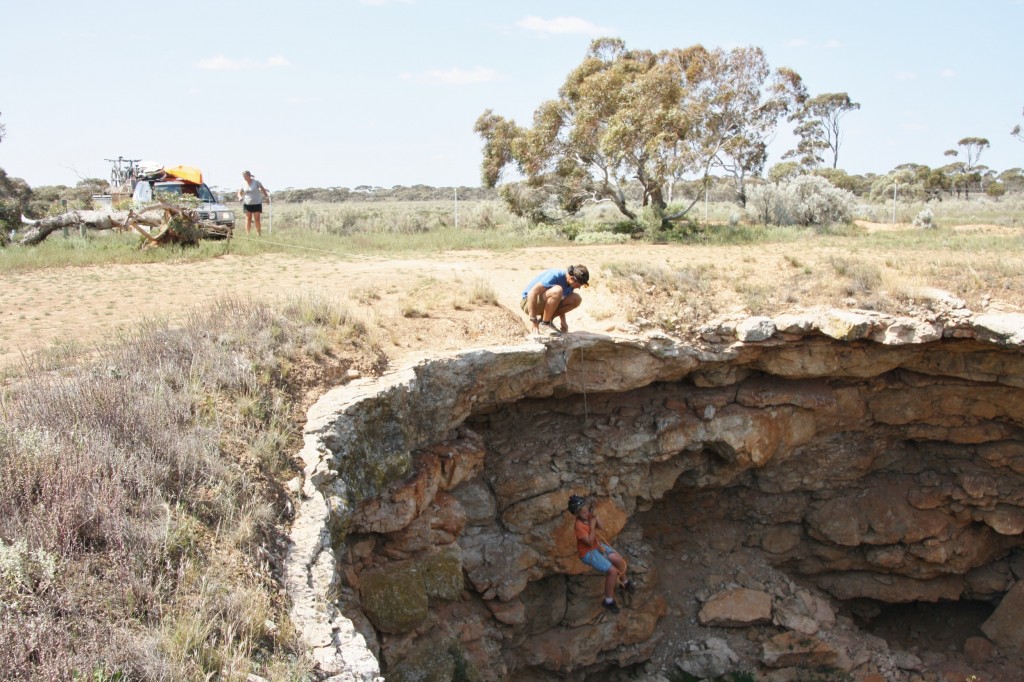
x=176 y=225
x=92 y=220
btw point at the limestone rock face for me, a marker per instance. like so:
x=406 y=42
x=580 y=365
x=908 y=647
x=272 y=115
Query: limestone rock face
x=712 y=659
x=794 y=650
x=1004 y=626
x=737 y=608
x=755 y=329
x=866 y=456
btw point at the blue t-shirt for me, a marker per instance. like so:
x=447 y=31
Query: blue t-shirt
x=550 y=278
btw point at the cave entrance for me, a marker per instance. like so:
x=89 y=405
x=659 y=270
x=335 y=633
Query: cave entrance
x=939 y=627
x=711 y=541
x=807 y=475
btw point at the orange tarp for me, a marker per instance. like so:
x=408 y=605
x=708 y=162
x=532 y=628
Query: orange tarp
x=187 y=173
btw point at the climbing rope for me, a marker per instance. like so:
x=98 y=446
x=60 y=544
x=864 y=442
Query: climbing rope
x=622 y=576
x=583 y=384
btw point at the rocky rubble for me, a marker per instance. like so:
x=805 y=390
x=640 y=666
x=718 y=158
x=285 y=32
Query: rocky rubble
x=766 y=483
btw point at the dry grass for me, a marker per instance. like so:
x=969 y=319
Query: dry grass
x=883 y=271
x=144 y=489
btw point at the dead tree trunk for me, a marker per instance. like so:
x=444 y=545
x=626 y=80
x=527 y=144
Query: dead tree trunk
x=171 y=225
x=92 y=220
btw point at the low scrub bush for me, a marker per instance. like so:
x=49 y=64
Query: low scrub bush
x=136 y=487
x=924 y=218
x=807 y=200
x=601 y=238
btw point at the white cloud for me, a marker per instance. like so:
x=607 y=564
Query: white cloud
x=563 y=25
x=222 y=63
x=454 y=76
x=832 y=44
x=948 y=73
x=905 y=75
x=797 y=42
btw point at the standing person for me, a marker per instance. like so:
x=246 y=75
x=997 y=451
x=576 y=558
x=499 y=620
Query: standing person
x=252 y=195
x=553 y=293
x=595 y=553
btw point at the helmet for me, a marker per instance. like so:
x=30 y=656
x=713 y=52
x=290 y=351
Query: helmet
x=576 y=503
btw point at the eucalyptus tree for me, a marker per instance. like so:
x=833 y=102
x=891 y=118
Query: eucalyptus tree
x=968 y=169
x=973 y=148
x=15 y=195
x=638 y=118
x=818 y=128
x=1013 y=178
x=1016 y=132
x=747 y=114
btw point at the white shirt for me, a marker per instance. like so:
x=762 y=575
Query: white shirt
x=252 y=194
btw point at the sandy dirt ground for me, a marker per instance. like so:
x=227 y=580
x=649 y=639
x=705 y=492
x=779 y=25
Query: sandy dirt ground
x=89 y=305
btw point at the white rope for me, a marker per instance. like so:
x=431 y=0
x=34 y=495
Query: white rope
x=583 y=384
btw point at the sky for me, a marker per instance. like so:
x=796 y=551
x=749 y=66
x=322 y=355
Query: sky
x=341 y=93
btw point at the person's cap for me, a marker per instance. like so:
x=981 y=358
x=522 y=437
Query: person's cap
x=245 y=172
x=580 y=274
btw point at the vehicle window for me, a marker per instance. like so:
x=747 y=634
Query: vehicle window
x=168 y=189
x=204 y=194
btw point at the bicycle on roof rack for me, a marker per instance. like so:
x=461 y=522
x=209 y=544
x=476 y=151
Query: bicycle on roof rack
x=124 y=173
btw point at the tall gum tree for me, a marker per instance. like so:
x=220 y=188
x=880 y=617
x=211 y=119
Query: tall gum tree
x=638 y=118
x=818 y=128
x=746 y=115
x=969 y=169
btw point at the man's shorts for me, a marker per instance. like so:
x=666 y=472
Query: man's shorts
x=598 y=559
x=253 y=208
x=524 y=304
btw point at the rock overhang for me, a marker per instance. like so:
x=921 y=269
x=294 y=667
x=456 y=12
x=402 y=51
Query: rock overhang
x=761 y=405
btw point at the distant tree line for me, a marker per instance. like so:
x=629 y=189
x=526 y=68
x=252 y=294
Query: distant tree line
x=368 y=193
x=661 y=131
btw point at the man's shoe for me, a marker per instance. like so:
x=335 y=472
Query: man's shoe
x=548 y=329
x=629 y=587
x=611 y=607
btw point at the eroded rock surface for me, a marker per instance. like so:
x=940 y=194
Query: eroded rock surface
x=847 y=455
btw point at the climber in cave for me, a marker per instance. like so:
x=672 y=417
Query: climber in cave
x=596 y=553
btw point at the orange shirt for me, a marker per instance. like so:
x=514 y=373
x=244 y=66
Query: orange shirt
x=582 y=533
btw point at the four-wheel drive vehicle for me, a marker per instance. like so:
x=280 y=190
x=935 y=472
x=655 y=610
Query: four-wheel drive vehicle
x=149 y=188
